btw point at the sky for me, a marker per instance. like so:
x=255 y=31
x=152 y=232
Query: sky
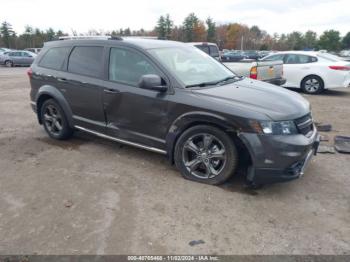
x=274 y=16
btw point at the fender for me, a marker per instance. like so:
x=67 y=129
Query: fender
x=47 y=90
x=190 y=119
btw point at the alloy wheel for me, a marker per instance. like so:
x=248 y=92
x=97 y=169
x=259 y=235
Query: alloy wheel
x=204 y=155
x=312 y=85
x=8 y=63
x=53 y=120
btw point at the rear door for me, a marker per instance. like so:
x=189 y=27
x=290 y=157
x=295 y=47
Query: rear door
x=27 y=58
x=296 y=66
x=82 y=86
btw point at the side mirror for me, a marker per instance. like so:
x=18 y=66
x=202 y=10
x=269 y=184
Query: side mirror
x=152 y=82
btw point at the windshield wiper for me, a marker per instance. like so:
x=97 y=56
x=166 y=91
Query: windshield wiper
x=212 y=83
x=235 y=78
x=202 y=84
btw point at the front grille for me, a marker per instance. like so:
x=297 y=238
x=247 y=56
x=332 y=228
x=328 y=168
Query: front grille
x=305 y=125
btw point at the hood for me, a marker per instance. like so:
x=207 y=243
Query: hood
x=273 y=101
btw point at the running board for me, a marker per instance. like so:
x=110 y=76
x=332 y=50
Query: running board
x=153 y=149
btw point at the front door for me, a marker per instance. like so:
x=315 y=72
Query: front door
x=132 y=113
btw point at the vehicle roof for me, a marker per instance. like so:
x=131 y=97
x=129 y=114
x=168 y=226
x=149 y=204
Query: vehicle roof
x=201 y=43
x=312 y=53
x=138 y=42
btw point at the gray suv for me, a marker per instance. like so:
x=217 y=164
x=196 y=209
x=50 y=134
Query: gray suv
x=173 y=99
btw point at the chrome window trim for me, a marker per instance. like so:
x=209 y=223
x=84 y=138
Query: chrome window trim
x=153 y=149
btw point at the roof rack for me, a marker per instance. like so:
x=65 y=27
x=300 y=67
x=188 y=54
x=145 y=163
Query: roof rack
x=90 y=37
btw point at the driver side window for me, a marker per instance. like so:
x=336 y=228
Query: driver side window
x=128 y=66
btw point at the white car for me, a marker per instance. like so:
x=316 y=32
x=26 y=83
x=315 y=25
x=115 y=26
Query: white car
x=313 y=71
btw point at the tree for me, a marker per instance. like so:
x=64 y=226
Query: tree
x=6 y=32
x=168 y=26
x=127 y=32
x=295 y=40
x=161 y=27
x=50 y=34
x=199 y=32
x=211 y=29
x=310 y=39
x=189 y=25
x=330 y=40
x=346 y=41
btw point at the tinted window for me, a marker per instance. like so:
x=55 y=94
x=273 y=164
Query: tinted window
x=214 y=51
x=86 y=60
x=274 y=58
x=299 y=59
x=54 y=58
x=26 y=54
x=205 y=49
x=128 y=66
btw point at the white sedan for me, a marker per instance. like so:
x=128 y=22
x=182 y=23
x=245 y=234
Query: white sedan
x=312 y=71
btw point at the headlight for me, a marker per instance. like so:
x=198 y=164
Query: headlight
x=279 y=128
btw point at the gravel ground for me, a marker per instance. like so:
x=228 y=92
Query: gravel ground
x=92 y=196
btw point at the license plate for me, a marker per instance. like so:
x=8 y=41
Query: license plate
x=271 y=72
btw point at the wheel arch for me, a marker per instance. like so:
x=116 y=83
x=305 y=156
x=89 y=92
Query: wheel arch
x=188 y=120
x=49 y=92
x=317 y=75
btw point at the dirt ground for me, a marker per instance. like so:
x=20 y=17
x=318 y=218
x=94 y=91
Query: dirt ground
x=92 y=196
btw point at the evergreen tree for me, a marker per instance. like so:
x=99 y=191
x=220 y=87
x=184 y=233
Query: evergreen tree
x=330 y=40
x=211 y=31
x=161 y=27
x=6 y=33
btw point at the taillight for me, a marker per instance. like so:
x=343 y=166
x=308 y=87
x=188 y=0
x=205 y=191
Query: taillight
x=341 y=68
x=254 y=72
x=30 y=72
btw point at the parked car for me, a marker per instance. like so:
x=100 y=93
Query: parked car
x=3 y=50
x=209 y=48
x=252 y=54
x=152 y=95
x=33 y=50
x=232 y=56
x=264 y=53
x=313 y=72
x=13 y=58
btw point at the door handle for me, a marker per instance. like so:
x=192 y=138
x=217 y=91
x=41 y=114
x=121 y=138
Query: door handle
x=111 y=91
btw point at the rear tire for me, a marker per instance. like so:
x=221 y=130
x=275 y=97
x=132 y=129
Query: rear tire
x=312 y=85
x=8 y=63
x=55 y=121
x=206 y=154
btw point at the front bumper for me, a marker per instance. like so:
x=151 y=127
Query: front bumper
x=279 y=158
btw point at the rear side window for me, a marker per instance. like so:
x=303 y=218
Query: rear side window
x=300 y=59
x=86 y=60
x=214 y=51
x=54 y=58
x=273 y=58
x=128 y=66
x=205 y=49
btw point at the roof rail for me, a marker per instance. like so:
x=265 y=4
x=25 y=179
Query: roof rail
x=90 y=37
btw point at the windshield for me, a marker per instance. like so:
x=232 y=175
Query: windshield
x=192 y=66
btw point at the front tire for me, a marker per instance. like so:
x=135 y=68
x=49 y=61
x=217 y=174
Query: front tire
x=312 y=85
x=55 y=121
x=206 y=154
